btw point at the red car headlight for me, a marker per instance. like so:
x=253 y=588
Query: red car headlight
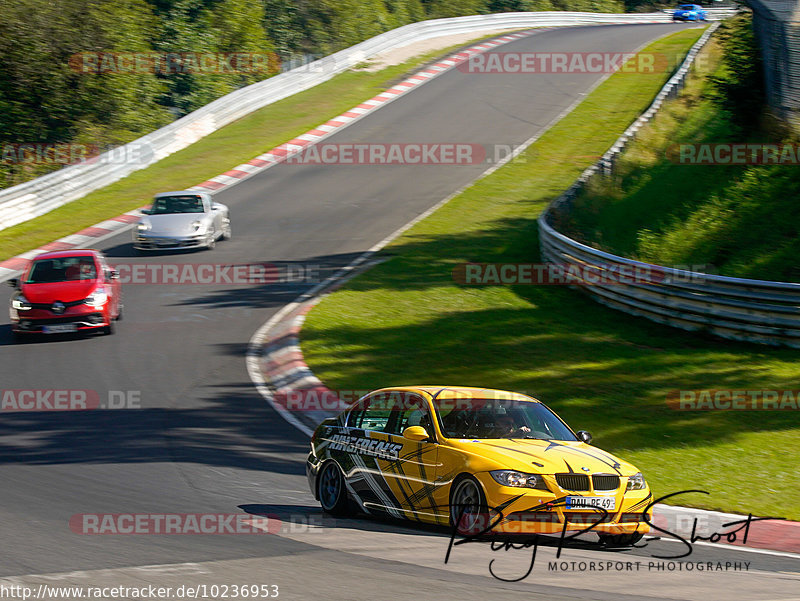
x=20 y=303
x=97 y=299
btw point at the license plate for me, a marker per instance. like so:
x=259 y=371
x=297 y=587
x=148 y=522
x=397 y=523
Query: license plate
x=60 y=328
x=607 y=503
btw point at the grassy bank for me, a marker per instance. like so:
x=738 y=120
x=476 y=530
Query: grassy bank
x=736 y=220
x=407 y=321
x=232 y=145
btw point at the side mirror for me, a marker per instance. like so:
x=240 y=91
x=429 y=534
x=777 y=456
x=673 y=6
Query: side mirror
x=215 y=207
x=584 y=436
x=417 y=433
x=13 y=282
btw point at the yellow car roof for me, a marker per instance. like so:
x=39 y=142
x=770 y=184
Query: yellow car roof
x=463 y=392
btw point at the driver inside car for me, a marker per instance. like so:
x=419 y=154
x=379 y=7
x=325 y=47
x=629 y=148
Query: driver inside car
x=506 y=427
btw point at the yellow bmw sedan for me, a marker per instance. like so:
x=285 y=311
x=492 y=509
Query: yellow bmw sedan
x=482 y=460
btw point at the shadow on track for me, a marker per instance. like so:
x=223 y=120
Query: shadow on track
x=299 y=517
x=231 y=427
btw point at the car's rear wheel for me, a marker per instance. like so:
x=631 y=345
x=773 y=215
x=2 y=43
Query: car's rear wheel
x=332 y=492
x=468 y=506
x=620 y=540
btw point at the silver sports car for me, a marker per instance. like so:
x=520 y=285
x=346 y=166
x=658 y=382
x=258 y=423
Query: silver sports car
x=180 y=220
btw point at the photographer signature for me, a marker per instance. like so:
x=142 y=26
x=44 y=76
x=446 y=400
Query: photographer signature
x=498 y=543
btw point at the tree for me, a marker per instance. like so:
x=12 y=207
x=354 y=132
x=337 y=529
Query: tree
x=205 y=29
x=44 y=94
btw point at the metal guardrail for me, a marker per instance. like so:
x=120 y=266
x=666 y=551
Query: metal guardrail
x=777 y=27
x=741 y=309
x=39 y=196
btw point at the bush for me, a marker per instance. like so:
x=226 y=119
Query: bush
x=739 y=90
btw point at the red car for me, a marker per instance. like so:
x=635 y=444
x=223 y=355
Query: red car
x=66 y=291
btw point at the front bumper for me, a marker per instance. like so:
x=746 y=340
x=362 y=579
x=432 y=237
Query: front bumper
x=534 y=511
x=36 y=321
x=148 y=241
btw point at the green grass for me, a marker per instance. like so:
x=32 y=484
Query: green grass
x=407 y=321
x=232 y=145
x=733 y=220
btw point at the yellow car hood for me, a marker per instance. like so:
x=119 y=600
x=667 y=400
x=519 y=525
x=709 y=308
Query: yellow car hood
x=541 y=456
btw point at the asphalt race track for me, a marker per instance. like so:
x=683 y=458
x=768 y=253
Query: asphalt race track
x=203 y=439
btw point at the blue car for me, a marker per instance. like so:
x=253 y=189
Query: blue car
x=689 y=12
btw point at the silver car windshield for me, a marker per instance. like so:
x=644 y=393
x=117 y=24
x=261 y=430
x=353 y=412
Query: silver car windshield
x=490 y=418
x=170 y=205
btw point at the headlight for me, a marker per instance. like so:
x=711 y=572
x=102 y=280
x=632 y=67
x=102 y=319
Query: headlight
x=20 y=303
x=518 y=479
x=636 y=482
x=144 y=226
x=199 y=227
x=97 y=298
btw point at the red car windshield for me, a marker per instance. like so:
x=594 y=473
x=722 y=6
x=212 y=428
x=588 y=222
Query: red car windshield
x=65 y=269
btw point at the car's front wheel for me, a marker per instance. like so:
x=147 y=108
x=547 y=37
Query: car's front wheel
x=620 y=540
x=212 y=241
x=226 y=229
x=468 y=506
x=332 y=492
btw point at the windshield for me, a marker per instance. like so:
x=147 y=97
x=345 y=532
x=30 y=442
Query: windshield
x=64 y=269
x=168 y=205
x=481 y=418
x=686 y=7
